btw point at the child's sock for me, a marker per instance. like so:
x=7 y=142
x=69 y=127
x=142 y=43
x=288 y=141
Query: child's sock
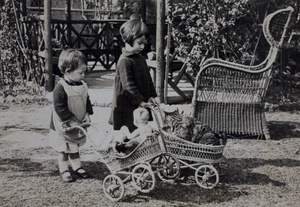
x=76 y=164
x=63 y=166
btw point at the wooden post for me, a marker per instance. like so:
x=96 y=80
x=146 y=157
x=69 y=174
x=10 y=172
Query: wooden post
x=48 y=46
x=69 y=18
x=23 y=8
x=166 y=77
x=160 y=59
x=143 y=10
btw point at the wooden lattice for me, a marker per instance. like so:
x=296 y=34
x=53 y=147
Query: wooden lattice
x=98 y=40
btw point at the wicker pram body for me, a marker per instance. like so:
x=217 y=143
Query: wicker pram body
x=138 y=167
x=207 y=160
x=145 y=151
x=186 y=150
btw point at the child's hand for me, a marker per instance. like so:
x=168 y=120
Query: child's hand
x=153 y=100
x=144 y=105
x=86 y=118
x=73 y=122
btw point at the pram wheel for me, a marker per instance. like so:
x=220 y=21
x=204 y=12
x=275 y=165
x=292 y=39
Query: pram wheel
x=167 y=166
x=143 y=178
x=207 y=176
x=113 y=187
x=222 y=166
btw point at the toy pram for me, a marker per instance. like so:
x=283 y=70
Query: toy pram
x=140 y=166
x=207 y=160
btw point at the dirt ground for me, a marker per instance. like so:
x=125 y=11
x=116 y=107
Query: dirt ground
x=261 y=172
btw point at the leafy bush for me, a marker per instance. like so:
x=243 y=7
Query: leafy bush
x=226 y=29
x=9 y=49
x=209 y=28
x=230 y=30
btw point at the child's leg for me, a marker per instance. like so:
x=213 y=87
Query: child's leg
x=63 y=165
x=76 y=165
x=75 y=160
x=63 y=162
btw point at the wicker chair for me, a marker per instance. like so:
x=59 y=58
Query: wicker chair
x=229 y=97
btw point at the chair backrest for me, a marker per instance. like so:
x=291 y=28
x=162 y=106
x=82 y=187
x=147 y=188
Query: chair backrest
x=223 y=81
x=275 y=28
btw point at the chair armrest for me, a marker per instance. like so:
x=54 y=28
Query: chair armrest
x=212 y=61
x=219 y=82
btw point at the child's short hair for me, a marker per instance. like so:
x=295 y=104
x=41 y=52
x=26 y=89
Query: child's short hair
x=69 y=59
x=133 y=29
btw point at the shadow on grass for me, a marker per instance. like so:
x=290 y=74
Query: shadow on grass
x=97 y=170
x=255 y=162
x=20 y=165
x=280 y=130
x=240 y=172
x=189 y=194
x=230 y=187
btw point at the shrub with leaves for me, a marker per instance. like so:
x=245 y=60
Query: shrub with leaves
x=9 y=77
x=230 y=30
x=226 y=29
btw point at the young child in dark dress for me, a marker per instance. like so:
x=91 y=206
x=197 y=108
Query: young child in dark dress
x=72 y=107
x=133 y=83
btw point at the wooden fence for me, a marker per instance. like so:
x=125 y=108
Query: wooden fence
x=99 y=41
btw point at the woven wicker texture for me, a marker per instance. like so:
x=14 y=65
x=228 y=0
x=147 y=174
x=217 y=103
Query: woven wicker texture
x=185 y=150
x=147 y=150
x=229 y=97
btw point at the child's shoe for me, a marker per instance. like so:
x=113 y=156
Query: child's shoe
x=82 y=173
x=66 y=176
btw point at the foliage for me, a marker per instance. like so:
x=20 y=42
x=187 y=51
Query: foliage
x=135 y=6
x=125 y=7
x=226 y=29
x=230 y=30
x=213 y=28
x=9 y=49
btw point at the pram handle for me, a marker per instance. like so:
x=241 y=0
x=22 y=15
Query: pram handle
x=154 y=106
x=157 y=113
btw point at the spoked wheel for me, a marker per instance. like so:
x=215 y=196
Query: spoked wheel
x=168 y=166
x=113 y=187
x=143 y=178
x=222 y=167
x=207 y=176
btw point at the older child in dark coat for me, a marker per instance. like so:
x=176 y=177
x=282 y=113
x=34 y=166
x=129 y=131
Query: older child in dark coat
x=133 y=83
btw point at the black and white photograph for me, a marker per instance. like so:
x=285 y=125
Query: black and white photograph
x=159 y=103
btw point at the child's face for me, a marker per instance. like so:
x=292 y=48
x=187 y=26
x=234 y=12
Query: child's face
x=139 y=44
x=78 y=74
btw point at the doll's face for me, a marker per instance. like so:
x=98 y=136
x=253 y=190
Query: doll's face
x=141 y=117
x=138 y=44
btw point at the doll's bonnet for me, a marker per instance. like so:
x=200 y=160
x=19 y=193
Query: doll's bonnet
x=140 y=115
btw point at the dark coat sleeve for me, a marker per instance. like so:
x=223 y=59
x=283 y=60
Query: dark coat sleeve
x=153 y=93
x=60 y=101
x=127 y=81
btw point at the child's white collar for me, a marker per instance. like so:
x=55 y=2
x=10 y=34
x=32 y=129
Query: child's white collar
x=128 y=47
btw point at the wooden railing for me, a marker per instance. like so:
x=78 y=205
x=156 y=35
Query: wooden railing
x=98 y=39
